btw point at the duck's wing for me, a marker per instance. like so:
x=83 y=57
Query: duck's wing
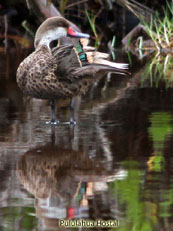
x=81 y=60
x=94 y=61
x=66 y=60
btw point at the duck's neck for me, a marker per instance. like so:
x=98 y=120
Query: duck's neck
x=44 y=42
x=43 y=49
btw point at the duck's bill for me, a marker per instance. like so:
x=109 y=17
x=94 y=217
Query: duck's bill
x=76 y=34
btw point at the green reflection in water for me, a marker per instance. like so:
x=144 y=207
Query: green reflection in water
x=159 y=69
x=159 y=130
x=139 y=214
x=166 y=204
x=18 y=218
x=145 y=197
x=161 y=127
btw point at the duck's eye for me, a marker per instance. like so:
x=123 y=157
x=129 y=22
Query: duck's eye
x=60 y=24
x=53 y=44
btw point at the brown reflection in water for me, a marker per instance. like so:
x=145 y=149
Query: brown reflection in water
x=65 y=183
x=69 y=177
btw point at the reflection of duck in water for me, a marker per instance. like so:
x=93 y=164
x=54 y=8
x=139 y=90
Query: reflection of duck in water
x=47 y=168
x=62 y=71
x=63 y=182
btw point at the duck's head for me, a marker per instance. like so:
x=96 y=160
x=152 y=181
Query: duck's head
x=55 y=28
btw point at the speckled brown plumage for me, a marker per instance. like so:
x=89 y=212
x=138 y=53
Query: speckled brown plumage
x=61 y=71
x=45 y=76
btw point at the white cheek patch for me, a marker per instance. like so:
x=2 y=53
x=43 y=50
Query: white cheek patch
x=51 y=35
x=60 y=32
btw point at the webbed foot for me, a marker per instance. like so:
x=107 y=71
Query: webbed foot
x=52 y=122
x=72 y=122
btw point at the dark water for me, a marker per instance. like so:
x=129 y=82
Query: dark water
x=116 y=163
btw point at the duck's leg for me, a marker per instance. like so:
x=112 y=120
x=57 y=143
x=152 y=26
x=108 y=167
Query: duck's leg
x=53 y=120
x=53 y=112
x=72 y=111
x=74 y=106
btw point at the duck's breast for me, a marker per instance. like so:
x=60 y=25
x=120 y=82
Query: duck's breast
x=34 y=74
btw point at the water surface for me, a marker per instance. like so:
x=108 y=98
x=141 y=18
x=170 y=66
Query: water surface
x=116 y=163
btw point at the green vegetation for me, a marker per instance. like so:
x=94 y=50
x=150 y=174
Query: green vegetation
x=91 y=19
x=159 y=69
x=27 y=28
x=111 y=45
x=62 y=6
x=160 y=29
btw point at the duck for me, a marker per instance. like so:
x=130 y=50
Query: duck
x=64 y=70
